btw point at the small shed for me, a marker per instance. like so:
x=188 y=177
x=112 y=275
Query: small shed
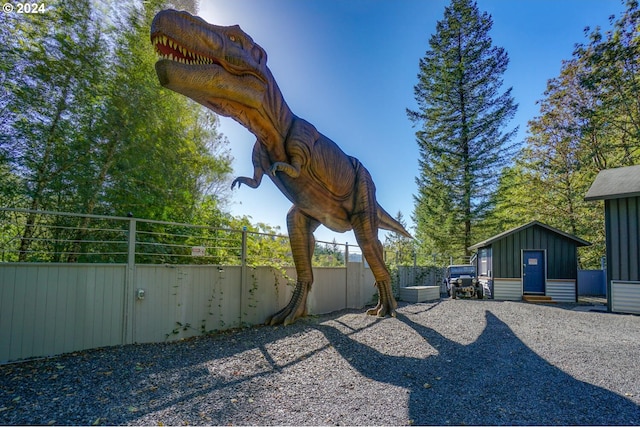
x=620 y=190
x=533 y=259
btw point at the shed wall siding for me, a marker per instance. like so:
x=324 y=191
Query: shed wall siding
x=561 y=290
x=625 y=297
x=506 y=289
x=622 y=219
x=561 y=253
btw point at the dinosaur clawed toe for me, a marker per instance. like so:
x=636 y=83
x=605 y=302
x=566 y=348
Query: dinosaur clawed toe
x=249 y=182
x=296 y=308
x=386 y=302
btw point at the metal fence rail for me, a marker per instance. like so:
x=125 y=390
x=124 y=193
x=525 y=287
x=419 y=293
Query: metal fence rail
x=44 y=236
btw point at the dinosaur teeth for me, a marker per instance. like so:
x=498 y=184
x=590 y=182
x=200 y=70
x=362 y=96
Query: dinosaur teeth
x=181 y=54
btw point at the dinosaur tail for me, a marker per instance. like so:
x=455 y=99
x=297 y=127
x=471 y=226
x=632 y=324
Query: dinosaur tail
x=387 y=222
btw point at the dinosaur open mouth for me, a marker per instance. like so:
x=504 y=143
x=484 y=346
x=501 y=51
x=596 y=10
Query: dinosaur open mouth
x=167 y=48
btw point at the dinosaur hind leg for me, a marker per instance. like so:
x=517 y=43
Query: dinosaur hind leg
x=372 y=250
x=301 y=228
x=365 y=228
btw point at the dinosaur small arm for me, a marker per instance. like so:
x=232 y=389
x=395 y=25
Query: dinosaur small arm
x=223 y=69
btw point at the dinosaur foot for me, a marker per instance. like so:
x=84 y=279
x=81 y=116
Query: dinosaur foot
x=386 y=302
x=296 y=308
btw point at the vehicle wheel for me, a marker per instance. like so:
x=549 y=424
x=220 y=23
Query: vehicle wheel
x=480 y=293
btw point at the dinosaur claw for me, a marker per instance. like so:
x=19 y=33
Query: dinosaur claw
x=386 y=302
x=236 y=182
x=296 y=308
x=373 y=311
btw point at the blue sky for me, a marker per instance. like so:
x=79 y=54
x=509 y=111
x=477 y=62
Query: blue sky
x=349 y=68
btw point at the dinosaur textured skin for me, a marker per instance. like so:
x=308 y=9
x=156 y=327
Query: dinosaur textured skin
x=223 y=69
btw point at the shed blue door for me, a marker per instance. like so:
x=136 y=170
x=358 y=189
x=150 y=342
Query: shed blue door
x=533 y=272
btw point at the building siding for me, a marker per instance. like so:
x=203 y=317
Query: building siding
x=622 y=222
x=561 y=253
x=561 y=290
x=506 y=289
x=625 y=297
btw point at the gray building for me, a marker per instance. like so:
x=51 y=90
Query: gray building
x=620 y=190
x=533 y=259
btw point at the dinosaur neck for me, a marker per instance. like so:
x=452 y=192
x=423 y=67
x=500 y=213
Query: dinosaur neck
x=279 y=113
x=271 y=123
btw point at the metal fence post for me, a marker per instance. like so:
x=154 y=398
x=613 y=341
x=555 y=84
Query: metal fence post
x=128 y=315
x=243 y=271
x=346 y=279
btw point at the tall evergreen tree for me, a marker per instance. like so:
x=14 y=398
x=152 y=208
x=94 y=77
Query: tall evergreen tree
x=399 y=250
x=462 y=111
x=589 y=121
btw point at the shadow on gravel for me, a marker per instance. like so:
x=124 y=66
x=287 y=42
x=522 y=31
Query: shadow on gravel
x=495 y=380
x=245 y=377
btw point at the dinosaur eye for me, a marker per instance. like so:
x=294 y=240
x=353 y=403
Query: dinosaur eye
x=233 y=38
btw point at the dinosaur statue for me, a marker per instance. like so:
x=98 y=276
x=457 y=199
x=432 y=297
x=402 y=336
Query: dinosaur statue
x=223 y=69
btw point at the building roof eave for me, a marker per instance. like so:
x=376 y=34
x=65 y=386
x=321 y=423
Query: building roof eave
x=489 y=241
x=615 y=183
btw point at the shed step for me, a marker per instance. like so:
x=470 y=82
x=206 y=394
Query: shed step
x=538 y=299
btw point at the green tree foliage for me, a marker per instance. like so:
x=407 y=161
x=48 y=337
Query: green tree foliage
x=157 y=144
x=399 y=250
x=589 y=121
x=50 y=91
x=612 y=118
x=87 y=128
x=329 y=255
x=462 y=113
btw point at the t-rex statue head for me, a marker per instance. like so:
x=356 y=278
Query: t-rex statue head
x=220 y=67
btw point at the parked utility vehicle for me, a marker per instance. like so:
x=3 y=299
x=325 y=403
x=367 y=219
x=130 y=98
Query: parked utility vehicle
x=462 y=280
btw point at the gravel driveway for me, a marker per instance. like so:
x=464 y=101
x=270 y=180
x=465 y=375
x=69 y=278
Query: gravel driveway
x=451 y=362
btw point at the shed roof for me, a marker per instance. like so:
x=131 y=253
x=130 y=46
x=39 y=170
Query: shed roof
x=615 y=184
x=579 y=241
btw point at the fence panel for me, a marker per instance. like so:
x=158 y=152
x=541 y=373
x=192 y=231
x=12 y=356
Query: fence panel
x=51 y=309
x=265 y=291
x=163 y=281
x=419 y=276
x=183 y=301
x=592 y=282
